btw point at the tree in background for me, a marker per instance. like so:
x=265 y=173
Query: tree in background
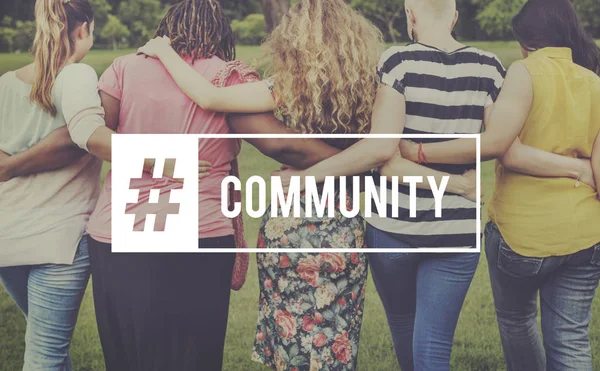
x=238 y=10
x=102 y=9
x=495 y=19
x=25 y=35
x=479 y=19
x=388 y=15
x=251 y=30
x=16 y=36
x=141 y=17
x=589 y=11
x=7 y=34
x=114 y=31
x=274 y=10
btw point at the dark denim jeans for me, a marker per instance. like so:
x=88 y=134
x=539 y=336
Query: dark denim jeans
x=566 y=286
x=423 y=295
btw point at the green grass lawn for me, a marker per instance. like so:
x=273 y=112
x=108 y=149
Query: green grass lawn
x=476 y=346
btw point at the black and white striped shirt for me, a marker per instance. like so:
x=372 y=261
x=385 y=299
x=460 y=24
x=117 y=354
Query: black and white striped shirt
x=446 y=93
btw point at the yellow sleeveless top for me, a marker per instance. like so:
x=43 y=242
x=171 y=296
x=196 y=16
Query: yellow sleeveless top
x=542 y=217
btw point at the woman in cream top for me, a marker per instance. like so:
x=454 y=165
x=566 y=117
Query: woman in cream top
x=44 y=263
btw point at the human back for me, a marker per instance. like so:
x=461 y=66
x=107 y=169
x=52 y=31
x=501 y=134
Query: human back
x=563 y=62
x=564 y=119
x=446 y=92
x=43 y=215
x=152 y=103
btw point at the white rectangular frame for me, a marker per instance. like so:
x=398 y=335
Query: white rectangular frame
x=477 y=137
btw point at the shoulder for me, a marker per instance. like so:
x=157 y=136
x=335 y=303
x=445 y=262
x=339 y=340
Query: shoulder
x=518 y=74
x=129 y=59
x=488 y=59
x=395 y=55
x=5 y=78
x=235 y=72
x=588 y=75
x=8 y=82
x=80 y=73
x=75 y=83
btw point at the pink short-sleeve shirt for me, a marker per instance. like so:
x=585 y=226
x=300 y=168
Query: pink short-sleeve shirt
x=152 y=103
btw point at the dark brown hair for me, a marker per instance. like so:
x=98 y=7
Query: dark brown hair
x=55 y=20
x=554 y=23
x=199 y=29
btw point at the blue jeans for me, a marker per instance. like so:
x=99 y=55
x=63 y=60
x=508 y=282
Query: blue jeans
x=566 y=286
x=50 y=296
x=422 y=295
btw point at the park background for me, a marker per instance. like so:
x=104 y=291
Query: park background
x=123 y=25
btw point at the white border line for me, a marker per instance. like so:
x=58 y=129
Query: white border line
x=477 y=137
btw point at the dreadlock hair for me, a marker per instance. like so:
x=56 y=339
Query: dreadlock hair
x=198 y=29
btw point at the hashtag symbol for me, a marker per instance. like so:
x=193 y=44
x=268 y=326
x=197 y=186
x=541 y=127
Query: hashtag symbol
x=158 y=200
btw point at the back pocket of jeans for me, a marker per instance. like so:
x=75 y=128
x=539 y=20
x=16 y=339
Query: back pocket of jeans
x=515 y=265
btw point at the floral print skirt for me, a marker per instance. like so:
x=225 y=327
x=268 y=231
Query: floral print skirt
x=311 y=305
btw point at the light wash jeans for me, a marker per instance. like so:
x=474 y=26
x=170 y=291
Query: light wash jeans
x=566 y=286
x=423 y=295
x=50 y=296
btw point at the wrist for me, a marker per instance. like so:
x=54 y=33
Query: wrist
x=413 y=153
x=580 y=169
x=7 y=169
x=459 y=184
x=165 y=52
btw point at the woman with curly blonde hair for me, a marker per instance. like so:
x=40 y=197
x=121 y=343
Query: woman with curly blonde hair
x=322 y=61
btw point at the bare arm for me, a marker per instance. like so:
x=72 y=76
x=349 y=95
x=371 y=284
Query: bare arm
x=388 y=118
x=245 y=98
x=299 y=153
x=100 y=143
x=54 y=152
x=506 y=121
x=532 y=161
x=457 y=184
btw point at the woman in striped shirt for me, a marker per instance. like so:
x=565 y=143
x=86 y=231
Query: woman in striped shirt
x=543 y=237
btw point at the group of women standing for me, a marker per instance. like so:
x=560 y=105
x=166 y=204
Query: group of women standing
x=169 y=311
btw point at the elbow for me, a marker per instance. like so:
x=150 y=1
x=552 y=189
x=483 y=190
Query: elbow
x=272 y=148
x=507 y=159
x=206 y=102
x=497 y=150
x=62 y=138
x=382 y=151
x=207 y=105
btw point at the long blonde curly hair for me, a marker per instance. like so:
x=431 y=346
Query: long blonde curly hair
x=323 y=58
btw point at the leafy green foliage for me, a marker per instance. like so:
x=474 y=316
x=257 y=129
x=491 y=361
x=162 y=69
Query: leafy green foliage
x=388 y=15
x=141 y=17
x=479 y=19
x=495 y=19
x=251 y=30
x=115 y=31
x=16 y=36
x=589 y=11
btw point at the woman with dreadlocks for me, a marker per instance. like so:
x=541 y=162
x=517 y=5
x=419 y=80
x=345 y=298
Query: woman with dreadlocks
x=159 y=312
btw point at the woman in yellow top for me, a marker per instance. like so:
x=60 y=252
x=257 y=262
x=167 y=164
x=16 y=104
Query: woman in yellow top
x=543 y=236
